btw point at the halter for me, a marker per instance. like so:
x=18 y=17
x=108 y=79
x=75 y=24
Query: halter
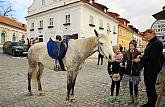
x=100 y=50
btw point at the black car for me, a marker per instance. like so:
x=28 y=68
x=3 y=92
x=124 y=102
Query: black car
x=14 y=48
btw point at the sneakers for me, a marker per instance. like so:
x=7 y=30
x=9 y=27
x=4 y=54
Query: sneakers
x=113 y=98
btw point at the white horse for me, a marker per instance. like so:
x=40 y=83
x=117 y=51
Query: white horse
x=78 y=51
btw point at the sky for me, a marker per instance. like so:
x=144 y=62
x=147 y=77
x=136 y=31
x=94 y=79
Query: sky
x=138 y=12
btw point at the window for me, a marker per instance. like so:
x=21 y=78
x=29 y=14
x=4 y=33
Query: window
x=50 y=23
x=14 y=38
x=101 y=24
x=41 y=25
x=41 y=38
x=91 y=21
x=32 y=27
x=43 y=2
x=108 y=27
x=3 y=37
x=67 y=18
x=114 y=30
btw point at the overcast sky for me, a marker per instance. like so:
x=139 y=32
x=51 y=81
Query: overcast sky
x=138 y=12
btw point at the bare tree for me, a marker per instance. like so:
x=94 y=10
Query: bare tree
x=6 y=8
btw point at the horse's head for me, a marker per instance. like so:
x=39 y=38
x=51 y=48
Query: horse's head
x=105 y=46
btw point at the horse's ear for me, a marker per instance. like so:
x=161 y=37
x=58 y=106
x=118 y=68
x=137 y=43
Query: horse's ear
x=96 y=33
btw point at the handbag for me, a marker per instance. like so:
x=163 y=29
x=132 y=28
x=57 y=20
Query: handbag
x=116 y=77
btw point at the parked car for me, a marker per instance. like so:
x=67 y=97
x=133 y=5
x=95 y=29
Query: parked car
x=14 y=48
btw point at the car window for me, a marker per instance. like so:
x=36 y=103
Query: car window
x=17 y=44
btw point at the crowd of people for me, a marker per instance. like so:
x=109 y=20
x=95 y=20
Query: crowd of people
x=128 y=65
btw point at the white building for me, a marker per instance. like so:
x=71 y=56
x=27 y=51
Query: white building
x=77 y=18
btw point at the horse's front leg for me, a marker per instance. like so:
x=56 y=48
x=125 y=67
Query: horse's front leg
x=73 y=84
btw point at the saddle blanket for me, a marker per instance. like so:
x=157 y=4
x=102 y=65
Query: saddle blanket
x=56 y=49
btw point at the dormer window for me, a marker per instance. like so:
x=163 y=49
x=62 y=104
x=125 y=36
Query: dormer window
x=105 y=10
x=91 y=1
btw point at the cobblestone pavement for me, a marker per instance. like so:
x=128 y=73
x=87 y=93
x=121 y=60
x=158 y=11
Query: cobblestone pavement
x=92 y=87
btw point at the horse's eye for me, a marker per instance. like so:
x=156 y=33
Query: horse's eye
x=101 y=43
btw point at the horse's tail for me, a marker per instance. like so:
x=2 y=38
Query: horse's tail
x=32 y=67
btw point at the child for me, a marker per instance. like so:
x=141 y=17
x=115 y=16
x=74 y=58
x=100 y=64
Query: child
x=115 y=70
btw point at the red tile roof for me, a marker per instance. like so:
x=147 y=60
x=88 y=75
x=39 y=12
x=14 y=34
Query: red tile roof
x=12 y=22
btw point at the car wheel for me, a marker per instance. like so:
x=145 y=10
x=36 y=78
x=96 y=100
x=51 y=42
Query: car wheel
x=13 y=53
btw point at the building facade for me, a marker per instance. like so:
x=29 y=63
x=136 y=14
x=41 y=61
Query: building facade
x=76 y=18
x=11 y=30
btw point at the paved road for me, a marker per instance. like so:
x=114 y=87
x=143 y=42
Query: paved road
x=92 y=87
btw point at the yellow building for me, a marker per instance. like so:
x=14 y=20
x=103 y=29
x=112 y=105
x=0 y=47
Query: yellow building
x=11 y=30
x=125 y=34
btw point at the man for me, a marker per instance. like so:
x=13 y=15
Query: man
x=151 y=61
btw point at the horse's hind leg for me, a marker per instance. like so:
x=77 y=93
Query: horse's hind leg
x=29 y=83
x=40 y=71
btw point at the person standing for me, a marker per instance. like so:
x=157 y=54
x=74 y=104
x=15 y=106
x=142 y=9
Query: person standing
x=115 y=71
x=100 y=56
x=133 y=70
x=151 y=61
x=121 y=48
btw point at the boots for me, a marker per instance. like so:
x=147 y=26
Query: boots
x=135 y=100
x=131 y=99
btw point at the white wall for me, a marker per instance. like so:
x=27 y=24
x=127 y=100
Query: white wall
x=58 y=16
x=87 y=30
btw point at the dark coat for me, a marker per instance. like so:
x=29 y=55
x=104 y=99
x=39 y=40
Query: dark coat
x=132 y=68
x=151 y=59
x=114 y=68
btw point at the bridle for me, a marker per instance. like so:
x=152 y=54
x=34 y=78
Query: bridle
x=100 y=50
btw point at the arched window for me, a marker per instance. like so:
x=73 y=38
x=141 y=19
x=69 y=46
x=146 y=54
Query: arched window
x=14 y=38
x=3 y=37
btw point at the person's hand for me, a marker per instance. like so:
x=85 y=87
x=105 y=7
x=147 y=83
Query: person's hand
x=139 y=56
x=137 y=59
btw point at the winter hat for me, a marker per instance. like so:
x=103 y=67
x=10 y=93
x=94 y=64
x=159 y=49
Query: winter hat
x=133 y=42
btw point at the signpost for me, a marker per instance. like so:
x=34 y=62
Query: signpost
x=159 y=27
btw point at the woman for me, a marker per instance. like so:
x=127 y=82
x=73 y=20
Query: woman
x=133 y=70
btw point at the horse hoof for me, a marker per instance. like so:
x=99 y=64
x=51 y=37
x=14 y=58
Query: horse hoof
x=68 y=104
x=29 y=94
x=67 y=98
